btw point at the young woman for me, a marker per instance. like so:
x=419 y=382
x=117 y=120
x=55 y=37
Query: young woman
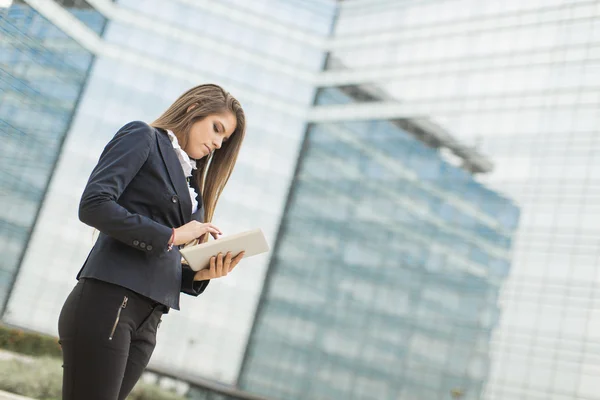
x=154 y=189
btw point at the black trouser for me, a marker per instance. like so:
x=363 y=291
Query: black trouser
x=107 y=334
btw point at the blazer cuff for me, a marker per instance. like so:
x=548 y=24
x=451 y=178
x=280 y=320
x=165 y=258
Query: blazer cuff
x=188 y=285
x=153 y=243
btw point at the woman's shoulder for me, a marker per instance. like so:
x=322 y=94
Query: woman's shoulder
x=136 y=130
x=134 y=134
x=139 y=126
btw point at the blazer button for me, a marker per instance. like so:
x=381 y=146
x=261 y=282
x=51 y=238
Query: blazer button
x=149 y=248
x=143 y=245
x=174 y=199
x=136 y=242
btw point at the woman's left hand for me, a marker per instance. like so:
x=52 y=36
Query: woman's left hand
x=219 y=266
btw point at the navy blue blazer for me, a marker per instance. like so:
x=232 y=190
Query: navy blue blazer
x=135 y=195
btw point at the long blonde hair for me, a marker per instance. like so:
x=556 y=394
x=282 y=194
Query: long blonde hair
x=215 y=169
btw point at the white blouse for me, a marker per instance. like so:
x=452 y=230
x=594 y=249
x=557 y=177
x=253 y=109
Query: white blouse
x=187 y=165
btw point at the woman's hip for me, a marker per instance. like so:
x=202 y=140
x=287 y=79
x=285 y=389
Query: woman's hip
x=106 y=313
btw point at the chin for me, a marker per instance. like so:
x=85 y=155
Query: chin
x=196 y=155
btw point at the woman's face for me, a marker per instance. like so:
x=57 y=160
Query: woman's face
x=209 y=134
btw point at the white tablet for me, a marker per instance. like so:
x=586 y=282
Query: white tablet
x=252 y=242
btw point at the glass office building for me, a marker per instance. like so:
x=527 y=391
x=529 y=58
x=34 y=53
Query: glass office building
x=514 y=80
x=385 y=279
x=517 y=79
x=42 y=74
x=150 y=53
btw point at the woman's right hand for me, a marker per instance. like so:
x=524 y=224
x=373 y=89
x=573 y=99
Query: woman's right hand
x=193 y=230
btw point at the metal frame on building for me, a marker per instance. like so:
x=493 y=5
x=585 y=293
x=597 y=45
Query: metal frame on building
x=421 y=127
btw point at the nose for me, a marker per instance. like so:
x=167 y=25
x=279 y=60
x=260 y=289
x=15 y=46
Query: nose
x=217 y=142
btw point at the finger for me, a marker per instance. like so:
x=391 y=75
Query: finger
x=236 y=260
x=213 y=261
x=212 y=231
x=209 y=225
x=216 y=269
x=227 y=261
x=220 y=268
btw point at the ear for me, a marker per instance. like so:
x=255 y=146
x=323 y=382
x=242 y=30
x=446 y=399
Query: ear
x=190 y=108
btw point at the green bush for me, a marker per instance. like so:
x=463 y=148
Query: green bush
x=41 y=379
x=144 y=391
x=29 y=343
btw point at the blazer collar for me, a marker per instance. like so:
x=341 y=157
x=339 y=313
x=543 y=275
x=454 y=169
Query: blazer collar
x=176 y=175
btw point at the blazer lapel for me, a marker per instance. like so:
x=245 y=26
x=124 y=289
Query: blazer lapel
x=199 y=214
x=176 y=175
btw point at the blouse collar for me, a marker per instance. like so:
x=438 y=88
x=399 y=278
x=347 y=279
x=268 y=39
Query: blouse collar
x=186 y=162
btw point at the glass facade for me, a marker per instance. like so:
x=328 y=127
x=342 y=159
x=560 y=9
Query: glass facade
x=517 y=79
x=390 y=257
x=148 y=66
x=42 y=73
x=385 y=280
x=85 y=13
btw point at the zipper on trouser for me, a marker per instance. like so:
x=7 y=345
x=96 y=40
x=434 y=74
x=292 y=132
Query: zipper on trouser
x=123 y=305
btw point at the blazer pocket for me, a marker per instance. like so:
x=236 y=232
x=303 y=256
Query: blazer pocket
x=118 y=318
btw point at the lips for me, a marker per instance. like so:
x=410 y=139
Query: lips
x=207 y=148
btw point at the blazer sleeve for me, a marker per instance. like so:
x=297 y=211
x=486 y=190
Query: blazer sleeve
x=119 y=163
x=188 y=286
